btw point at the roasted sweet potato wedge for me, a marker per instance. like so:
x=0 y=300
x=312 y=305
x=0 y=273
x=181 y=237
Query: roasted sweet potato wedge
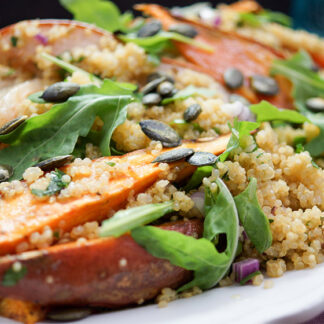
x=230 y=50
x=24 y=214
x=111 y=272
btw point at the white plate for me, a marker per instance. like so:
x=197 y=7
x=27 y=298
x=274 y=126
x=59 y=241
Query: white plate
x=296 y=297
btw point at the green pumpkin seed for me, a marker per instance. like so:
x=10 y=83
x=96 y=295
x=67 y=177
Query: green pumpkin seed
x=159 y=131
x=12 y=125
x=157 y=75
x=192 y=112
x=151 y=86
x=6 y=171
x=235 y=97
x=151 y=99
x=264 y=85
x=174 y=155
x=184 y=29
x=315 y=104
x=150 y=29
x=60 y=92
x=55 y=162
x=165 y=89
x=233 y=78
x=68 y=314
x=202 y=159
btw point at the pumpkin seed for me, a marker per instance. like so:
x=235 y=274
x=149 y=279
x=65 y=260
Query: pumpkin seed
x=315 y=104
x=165 y=88
x=6 y=171
x=150 y=29
x=12 y=125
x=151 y=86
x=157 y=75
x=55 y=162
x=184 y=29
x=264 y=85
x=233 y=78
x=202 y=159
x=159 y=131
x=68 y=314
x=151 y=99
x=60 y=91
x=235 y=97
x=174 y=155
x=192 y=112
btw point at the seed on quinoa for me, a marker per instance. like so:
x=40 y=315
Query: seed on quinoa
x=157 y=75
x=12 y=125
x=165 y=89
x=235 y=97
x=6 y=171
x=151 y=99
x=68 y=314
x=174 y=155
x=192 y=112
x=184 y=29
x=233 y=78
x=159 y=131
x=315 y=104
x=152 y=85
x=55 y=162
x=150 y=29
x=60 y=91
x=202 y=159
x=264 y=85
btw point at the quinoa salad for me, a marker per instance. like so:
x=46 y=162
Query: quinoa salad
x=150 y=158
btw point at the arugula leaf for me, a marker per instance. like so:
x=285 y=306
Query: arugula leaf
x=55 y=186
x=162 y=40
x=127 y=219
x=307 y=84
x=265 y=111
x=56 y=132
x=240 y=130
x=190 y=91
x=198 y=176
x=12 y=276
x=252 y=217
x=104 y=14
x=198 y=255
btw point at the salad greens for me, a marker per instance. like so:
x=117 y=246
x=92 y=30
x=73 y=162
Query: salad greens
x=198 y=255
x=64 y=123
x=265 y=111
x=127 y=219
x=253 y=219
x=307 y=84
x=12 y=276
x=198 y=176
x=55 y=186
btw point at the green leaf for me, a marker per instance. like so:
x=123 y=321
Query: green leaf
x=265 y=111
x=307 y=84
x=198 y=176
x=240 y=130
x=14 y=41
x=249 y=277
x=158 y=43
x=190 y=91
x=253 y=219
x=55 y=186
x=104 y=14
x=12 y=276
x=56 y=132
x=128 y=219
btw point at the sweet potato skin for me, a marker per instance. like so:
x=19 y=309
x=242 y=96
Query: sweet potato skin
x=93 y=274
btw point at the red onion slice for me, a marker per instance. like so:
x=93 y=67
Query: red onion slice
x=41 y=39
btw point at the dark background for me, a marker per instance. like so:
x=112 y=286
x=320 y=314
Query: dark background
x=12 y=11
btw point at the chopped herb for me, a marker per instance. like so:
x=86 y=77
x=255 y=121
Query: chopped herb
x=299 y=140
x=112 y=164
x=225 y=176
x=299 y=148
x=56 y=234
x=14 y=41
x=259 y=155
x=249 y=277
x=12 y=276
x=315 y=165
x=270 y=221
x=55 y=186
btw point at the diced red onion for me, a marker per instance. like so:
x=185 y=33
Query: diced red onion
x=244 y=235
x=244 y=268
x=199 y=201
x=42 y=39
x=217 y=21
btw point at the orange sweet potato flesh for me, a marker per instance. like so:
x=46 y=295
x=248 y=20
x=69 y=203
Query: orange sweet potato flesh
x=230 y=50
x=91 y=273
x=24 y=214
